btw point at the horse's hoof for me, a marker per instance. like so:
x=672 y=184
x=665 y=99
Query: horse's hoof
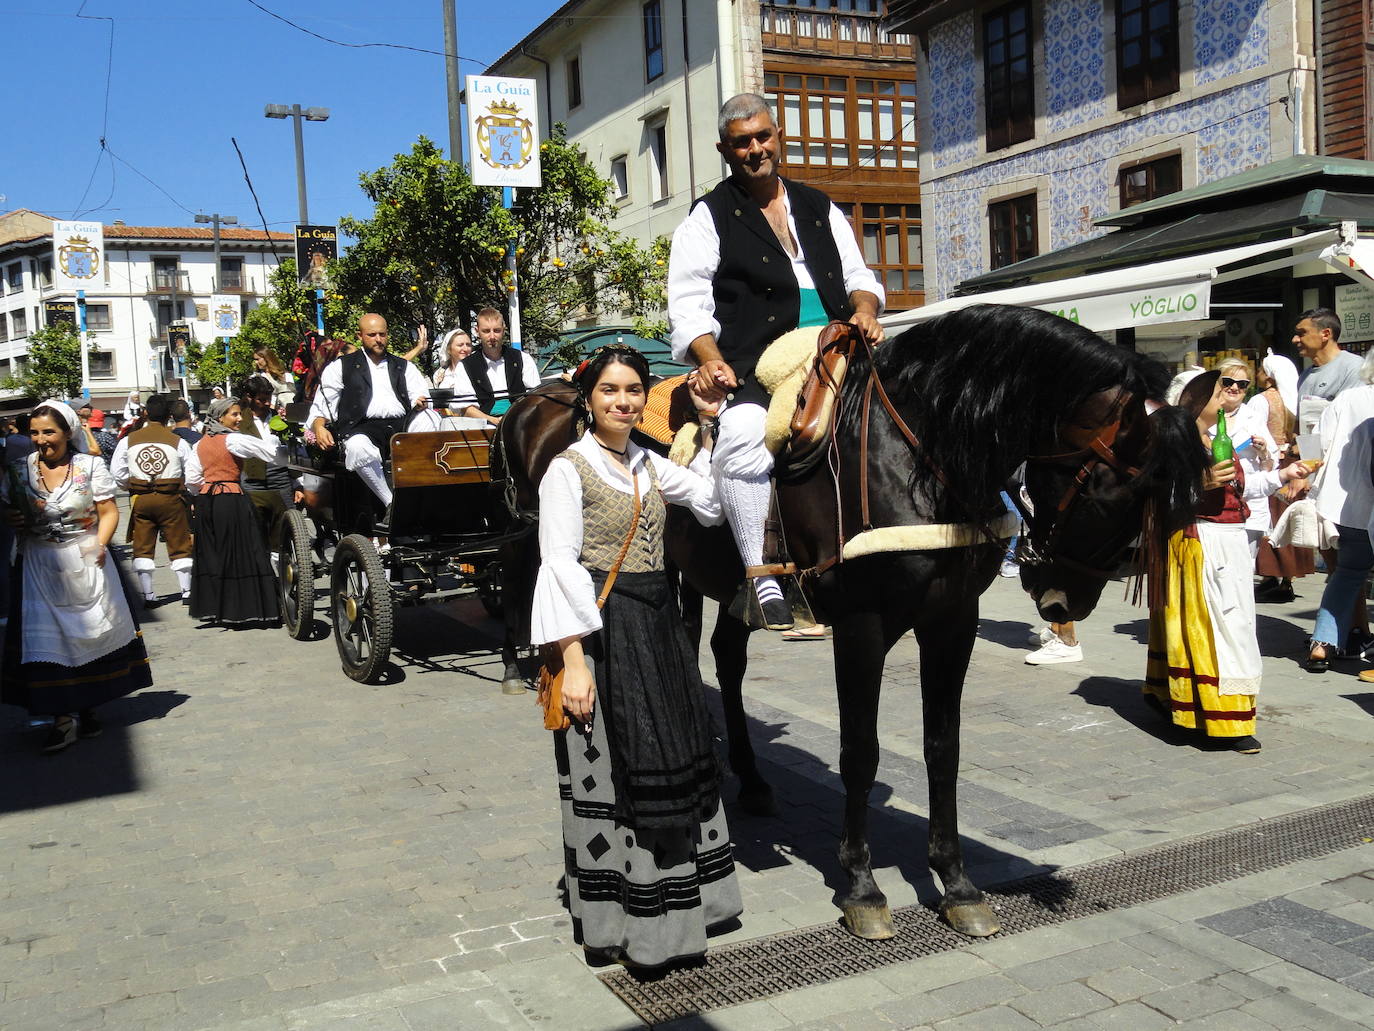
x=872 y=923
x=515 y=686
x=975 y=919
x=758 y=801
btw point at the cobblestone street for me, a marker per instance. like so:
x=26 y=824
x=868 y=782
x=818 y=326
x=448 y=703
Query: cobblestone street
x=258 y=843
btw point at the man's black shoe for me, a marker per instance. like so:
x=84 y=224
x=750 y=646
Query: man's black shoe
x=777 y=614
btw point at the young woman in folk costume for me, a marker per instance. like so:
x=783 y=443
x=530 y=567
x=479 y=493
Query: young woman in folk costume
x=72 y=643
x=648 y=855
x=1203 y=668
x=231 y=580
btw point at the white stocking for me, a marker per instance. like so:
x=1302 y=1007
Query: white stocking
x=375 y=478
x=144 y=568
x=745 y=501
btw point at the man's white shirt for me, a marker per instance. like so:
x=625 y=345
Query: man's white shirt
x=384 y=403
x=463 y=393
x=695 y=256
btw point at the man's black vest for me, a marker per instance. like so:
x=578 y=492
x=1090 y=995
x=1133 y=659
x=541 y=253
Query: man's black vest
x=356 y=394
x=476 y=366
x=756 y=293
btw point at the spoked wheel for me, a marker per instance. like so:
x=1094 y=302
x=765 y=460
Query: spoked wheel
x=361 y=608
x=296 y=575
x=489 y=590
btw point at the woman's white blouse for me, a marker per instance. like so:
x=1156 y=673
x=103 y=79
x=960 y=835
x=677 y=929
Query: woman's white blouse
x=564 y=598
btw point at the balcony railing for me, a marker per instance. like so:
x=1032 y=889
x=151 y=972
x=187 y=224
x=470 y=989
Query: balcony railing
x=834 y=33
x=236 y=283
x=163 y=281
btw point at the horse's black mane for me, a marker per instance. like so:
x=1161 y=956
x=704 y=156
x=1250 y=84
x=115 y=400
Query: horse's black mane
x=990 y=382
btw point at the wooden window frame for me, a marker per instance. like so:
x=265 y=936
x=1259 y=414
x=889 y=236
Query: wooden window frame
x=1016 y=207
x=1152 y=169
x=572 y=73
x=1009 y=91
x=1147 y=78
x=788 y=86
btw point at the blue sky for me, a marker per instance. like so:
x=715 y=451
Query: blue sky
x=188 y=75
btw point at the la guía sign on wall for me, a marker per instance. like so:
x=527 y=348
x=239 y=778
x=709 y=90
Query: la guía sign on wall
x=503 y=131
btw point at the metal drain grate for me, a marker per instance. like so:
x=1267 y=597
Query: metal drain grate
x=779 y=963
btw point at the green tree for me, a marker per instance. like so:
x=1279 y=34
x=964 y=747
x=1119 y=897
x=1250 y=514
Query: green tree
x=53 y=368
x=280 y=322
x=433 y=251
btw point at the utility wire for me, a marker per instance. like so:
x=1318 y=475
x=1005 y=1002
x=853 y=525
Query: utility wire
x=361 y=46
x=261 y=217
x=146 y=179
x=105 y=119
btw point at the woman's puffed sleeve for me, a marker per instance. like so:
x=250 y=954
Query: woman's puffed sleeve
x=564 y=598
x=102 y=483
x=693 y=487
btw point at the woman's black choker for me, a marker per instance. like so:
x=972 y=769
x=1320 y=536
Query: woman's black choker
x=609 y=448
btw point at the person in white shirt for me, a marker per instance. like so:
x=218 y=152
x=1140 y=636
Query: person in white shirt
x=495 y=375
x=366 y=397
x=457 y=345
x=758 y=256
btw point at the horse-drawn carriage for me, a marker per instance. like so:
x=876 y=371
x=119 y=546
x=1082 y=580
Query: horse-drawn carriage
x=444 y=531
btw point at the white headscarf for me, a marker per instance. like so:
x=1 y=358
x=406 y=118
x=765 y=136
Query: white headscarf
x=1180 y=381
x=76 y=438
x=1285 y=376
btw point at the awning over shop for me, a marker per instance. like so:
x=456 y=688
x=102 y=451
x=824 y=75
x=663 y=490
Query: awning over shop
x=1166 y=291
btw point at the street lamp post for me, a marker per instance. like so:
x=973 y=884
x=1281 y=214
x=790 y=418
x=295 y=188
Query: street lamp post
x=310 y=114
x=216 y=220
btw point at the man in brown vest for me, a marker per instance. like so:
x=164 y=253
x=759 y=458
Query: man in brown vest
x=151 y=464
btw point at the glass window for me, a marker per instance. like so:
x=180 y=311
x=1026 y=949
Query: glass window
x=620 y=176
x=1008 y=80
x=102 y=364
x=98 y=316
x=1146 y=50
x=658 y=159
x=1151 y=179
x=19 y=322
x=573 y=70
x=653 y=40
x=1012 y=230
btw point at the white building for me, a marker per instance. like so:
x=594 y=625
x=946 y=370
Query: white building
x=153 y=276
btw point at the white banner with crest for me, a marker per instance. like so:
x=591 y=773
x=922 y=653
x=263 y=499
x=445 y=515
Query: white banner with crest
x=78 y=255
x=503 y=131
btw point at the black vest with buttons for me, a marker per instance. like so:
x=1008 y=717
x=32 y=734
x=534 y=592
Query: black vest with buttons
x=756 y=294
x=356 y=394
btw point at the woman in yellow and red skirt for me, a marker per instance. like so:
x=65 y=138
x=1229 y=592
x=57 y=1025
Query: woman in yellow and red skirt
x=1203 y=671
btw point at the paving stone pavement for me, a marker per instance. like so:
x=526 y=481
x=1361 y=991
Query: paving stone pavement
x=258 y=843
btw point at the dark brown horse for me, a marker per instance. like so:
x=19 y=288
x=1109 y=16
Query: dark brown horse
x=929 y=431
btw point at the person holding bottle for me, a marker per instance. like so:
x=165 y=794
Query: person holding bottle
x=1344 y=494
x=1203 y=671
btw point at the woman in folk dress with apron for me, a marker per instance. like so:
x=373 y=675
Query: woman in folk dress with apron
x=647 y=852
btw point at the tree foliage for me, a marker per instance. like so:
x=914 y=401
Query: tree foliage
x=433 y=251
x=54 y=364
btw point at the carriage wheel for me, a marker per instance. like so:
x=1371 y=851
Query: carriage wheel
x=361 y=607
x=296 y=575
x=489 y=590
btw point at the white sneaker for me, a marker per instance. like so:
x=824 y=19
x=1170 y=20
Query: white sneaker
x=1040 y=638
x=1055 y=651
x=1009 y=569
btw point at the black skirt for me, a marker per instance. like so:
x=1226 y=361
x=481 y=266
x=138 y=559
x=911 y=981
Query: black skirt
x=231 y=581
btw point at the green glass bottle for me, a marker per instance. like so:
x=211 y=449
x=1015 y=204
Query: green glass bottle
x=1222 y=451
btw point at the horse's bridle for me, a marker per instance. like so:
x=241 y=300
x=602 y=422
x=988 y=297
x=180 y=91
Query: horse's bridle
x=1098 y=450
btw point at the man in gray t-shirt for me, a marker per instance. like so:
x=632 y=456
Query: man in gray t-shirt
x=1317 y=337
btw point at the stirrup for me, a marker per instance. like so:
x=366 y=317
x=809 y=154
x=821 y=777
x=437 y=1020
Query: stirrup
x=746 y=608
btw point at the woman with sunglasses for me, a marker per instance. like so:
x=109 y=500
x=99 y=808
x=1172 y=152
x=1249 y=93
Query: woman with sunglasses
x=1255 y=445
x=649 y=866
x=1344 y=494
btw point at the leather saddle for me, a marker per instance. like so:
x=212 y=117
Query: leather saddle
x=818 y=400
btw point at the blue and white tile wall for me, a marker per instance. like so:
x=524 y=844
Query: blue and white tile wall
x=1232 y=130
x=1232 y=126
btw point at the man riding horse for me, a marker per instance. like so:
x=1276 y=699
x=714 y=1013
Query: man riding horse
x=756 y=257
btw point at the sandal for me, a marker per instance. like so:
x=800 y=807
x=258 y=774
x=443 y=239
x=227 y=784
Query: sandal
x=819 y=632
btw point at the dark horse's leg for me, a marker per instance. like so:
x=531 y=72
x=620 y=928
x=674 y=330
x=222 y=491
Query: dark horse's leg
x=860 y=648
x=730 y=646
x=518 y=574
x=946 y=645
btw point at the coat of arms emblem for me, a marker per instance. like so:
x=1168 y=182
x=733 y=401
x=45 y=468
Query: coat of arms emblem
x=504 y=139
x=78 y=258
x=225 y=318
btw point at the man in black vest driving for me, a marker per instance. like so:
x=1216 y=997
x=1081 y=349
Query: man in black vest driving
x=366 y=397
x=494 y=375
x=758 y=256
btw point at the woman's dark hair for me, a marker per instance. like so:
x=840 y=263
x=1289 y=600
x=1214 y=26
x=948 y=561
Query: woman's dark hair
x=1198 y=392
x=43 y=411
x=586 y=375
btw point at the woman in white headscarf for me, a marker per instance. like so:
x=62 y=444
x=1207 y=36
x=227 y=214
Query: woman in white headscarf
x=72 y=643
x=1277 y=405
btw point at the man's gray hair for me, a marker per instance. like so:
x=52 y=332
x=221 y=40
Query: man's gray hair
x=739 y=107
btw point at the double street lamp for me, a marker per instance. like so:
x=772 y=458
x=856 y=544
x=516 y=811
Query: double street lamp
x=310 y=114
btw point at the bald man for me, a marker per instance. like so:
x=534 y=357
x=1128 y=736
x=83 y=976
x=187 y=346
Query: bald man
x=364 y=398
